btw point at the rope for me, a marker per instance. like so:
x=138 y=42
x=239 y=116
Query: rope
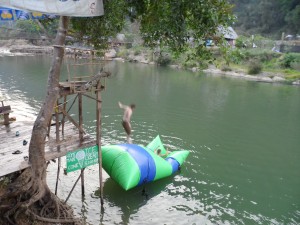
x=56 y=107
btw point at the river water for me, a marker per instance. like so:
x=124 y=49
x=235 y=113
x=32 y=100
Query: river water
x=243 y=137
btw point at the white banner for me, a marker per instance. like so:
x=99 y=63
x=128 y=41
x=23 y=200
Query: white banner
x=75 y=8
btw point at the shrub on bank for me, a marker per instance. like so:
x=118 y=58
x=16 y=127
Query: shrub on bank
x=254 y=67
x=190 y=64
x=122 y=53
x=164 y=59
x=237 y=56
x=295 y=66
x=290 y=60
x=137 y=51
x=225 y=68
x=262 y=55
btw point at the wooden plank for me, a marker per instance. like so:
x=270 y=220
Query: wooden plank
x=10 y=143
x=5 y=109
x=71 y=119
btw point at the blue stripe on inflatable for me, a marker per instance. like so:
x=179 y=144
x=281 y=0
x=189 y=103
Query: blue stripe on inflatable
x=144 y=160
x=174 y=163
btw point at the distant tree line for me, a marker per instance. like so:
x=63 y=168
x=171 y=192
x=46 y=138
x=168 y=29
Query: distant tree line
x=267 y=17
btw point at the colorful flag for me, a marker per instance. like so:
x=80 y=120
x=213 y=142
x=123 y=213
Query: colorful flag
x=7 y=14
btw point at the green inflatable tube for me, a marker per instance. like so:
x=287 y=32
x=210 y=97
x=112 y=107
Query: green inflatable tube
x=132 y=165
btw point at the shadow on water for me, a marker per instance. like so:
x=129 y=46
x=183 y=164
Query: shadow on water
x=132 y=200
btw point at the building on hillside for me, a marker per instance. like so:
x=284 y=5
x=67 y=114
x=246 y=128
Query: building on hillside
x=229 y=34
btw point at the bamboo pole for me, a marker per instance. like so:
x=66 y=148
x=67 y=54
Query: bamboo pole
x=57 y=176
x=80 y=117
x=81 y=139
x=63 y=119
x=98 y=133
x=90 y=97
x=74 y=186
x=71 y=119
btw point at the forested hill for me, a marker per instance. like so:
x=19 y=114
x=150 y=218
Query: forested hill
x=267 y=17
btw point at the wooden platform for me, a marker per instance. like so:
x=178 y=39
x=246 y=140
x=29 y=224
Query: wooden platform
x=10 y=143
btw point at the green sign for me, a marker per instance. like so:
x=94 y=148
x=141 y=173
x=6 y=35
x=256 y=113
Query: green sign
x=82 y=158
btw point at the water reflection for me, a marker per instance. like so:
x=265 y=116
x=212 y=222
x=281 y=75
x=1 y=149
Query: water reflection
x=131 y=201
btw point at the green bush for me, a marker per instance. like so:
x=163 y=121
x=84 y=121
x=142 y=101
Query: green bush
x=236 y=56
x=164 y=59
x=137 y=52
x=122 y=53
x=190 y=64
x=203 y=65
x=295 y=66
x=254 y=67
x=243 y=42
x=289 y=60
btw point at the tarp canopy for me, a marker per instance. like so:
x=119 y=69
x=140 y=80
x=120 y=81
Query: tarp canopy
x=73 y=8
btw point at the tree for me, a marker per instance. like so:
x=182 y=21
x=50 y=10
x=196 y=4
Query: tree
x=267 y=16
x=169 y=23
x=30 y=188
x=292 y=18
x=162 y=23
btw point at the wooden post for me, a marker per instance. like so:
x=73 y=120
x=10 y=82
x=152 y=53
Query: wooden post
x=98 y=133
x=57 y=124
x=6 y=118
x=81 y=139
x=63 y=118
x=281 y=46
x=57 y=176
x=80 y=117
x=74 y=186
x=56 y=109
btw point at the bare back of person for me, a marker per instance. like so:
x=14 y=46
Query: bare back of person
x=126 y=119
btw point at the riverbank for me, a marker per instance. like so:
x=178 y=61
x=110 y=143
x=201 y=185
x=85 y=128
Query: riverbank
x=23 y=47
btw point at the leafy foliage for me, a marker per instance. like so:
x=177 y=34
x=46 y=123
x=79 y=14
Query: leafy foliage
x=162 y=23
x=98 y=30
x=50 y=26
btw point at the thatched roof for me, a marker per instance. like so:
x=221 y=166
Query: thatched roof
x=228 y=32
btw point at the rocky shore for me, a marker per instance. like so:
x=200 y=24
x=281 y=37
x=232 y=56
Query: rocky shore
x=23 y=47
